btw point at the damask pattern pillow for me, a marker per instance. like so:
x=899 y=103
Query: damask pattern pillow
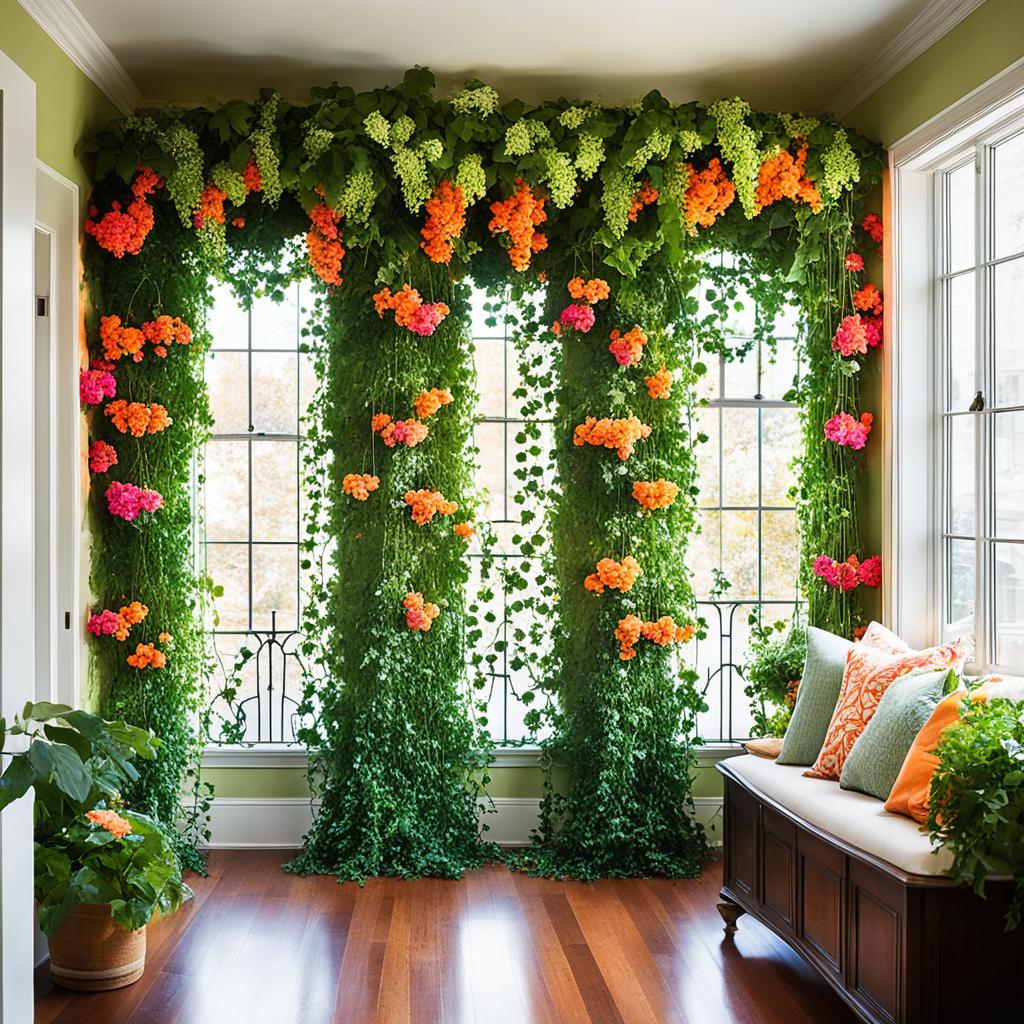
x=882 y=639
x=869 y=673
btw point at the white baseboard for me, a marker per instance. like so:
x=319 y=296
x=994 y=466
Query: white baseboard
x=248 y=823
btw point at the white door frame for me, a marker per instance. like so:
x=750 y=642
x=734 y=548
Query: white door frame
x=17 y=606
x=59 y=597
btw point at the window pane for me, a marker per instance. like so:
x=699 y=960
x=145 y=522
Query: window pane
x=228 y=567
x=275 y=392
x=1009 y=580
x=739 y=456
x=708 y=384
x=707 y=457
x=960 y=185
x=227 y=322
x=1009 y=333
x=226 y=375
x=276 y=324
x=960 y=475
x=227 y=490
x=960 y=296
x=780 y=556
x=960 y=577
x=741 y=376
x=490 y=439
x=274 y=585
x=275 y=490
x=1008 y=196
x=739 y=554
x=777 y=376
x=704 y=553
x=781 y=442
x=490 y=369
x=1008 y=430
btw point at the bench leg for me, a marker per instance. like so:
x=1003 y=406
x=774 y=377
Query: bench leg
x=730 y=912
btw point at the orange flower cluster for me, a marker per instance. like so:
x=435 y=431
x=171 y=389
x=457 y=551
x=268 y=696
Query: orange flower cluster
x=446 y=217
x=426 y=504
x=121 y=232
x=708 y=194
x=663 y=632
x=868 y=299
x=323 y=244
x=783 y=176
x=117 y=826
x=119 y=340
x=392 y=432
x=518 y=217
x=594 y=290
x=211 y=207
x=426 y=403
x=147 y=656
x=655 y=494
x=628 y=348
x=614 y=575
x=660 y=385
x=252 y=178
x=647 y=195
x=130 y=615
x=359 y=485
x=137 y=417
x=607 y=433
x=463 y=530
x=410 y=310
x=419 y=615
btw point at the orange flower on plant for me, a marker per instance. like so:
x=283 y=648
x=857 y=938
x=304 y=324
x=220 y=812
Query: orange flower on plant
x=783 y=176
x=614 y=575
x=655 y=494
x=628 y=348
x=425 y=504
x=147 y=656
x=594 y=290
x=211 y=206
x=426 y=403
x=665 y=631
x=252 y=178
x=119 y=340
x=708 y=195
x=628 y=633
x=117 y=826
x=164 y=331
x=446 y=217
x=137 y=417
x=868 y=299
x=379 y=422
x=647 y=195
x=620 y=434
x=323 y=244
x=407 y=432
x=419 y=614
x=359 y=485
x=463 y=530
x=129 y=615
x=518 y=217
x=410 y=310
x=123 y=231
x=660 y=385
x=165 y=638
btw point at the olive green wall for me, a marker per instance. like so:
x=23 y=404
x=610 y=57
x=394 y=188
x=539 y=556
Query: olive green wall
x=68 y=104
x=982 y=45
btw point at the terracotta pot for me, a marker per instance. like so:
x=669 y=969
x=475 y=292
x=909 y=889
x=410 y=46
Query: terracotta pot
x=90 y=953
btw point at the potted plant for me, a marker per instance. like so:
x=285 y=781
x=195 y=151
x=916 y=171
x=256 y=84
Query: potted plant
x=101 y=871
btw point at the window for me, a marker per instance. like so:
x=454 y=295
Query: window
x=749 y=531
x=979 y=294
x=259 y=385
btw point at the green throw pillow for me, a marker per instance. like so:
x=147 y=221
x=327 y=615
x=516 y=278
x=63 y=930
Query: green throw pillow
x=815 y=697
x=876 y=758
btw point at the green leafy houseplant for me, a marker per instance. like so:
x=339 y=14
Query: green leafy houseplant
x=776 y=662
x=977 y=796
x=77 y=763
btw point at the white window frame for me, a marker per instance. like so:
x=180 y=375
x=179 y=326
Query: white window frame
x=913 y=593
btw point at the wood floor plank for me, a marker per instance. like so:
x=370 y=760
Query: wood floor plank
x=258 y=946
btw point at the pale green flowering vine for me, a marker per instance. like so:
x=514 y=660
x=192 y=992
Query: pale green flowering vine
x=840 y=166
x=185 y=182
x=689 y=141
x=677 y=181
x=471 y=178
x=739 y=145
x=378 y=128
x=523 y=137
x=358 y=196
x=574 y=117
x=589 y=155
x=560 y=176
x=617 y=198
x=481 y=100
x=656 y=146
x=316 y=141
x=402 y=131
x=265 y=152
x=411 y=169
x=230 y=182
x=432 y=149
x=798 y=126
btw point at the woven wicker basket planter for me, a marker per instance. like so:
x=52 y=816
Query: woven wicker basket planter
x=91 y=954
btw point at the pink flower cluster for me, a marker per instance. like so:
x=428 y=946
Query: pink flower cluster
x=849 y=574
x=424 y=320
x=578 y=316
x=854 y=262
x=106 y=623
x=127 y=500
x=101 y=456
x=843 y=429
x=851 y=337
x=96 y=383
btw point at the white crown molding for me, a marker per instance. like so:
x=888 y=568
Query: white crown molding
x=62 y=21
x=935 y=21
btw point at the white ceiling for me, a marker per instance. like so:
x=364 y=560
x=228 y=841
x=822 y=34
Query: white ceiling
x=788 y=53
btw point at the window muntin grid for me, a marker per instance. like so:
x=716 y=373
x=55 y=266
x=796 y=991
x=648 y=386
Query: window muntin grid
x=979 y=321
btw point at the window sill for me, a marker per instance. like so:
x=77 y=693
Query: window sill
x=273 y=755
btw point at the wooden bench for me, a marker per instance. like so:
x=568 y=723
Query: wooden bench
x=900 y=948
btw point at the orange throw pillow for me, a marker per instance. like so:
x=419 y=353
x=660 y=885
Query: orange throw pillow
x=910 y=793
x=868 y=674
x=882 y=639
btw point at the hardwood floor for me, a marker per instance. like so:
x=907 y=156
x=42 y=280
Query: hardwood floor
x=258 y=946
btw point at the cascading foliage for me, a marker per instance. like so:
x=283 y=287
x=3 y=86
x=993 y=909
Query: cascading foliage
x=399 y=197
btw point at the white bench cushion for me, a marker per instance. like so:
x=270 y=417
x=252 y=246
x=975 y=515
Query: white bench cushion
x=859 y=820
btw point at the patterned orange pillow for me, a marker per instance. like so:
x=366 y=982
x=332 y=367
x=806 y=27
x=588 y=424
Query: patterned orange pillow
x=882 y=639
x=869 y=673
